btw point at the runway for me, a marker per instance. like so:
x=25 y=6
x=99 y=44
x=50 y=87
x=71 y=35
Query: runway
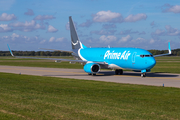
x=154 y=79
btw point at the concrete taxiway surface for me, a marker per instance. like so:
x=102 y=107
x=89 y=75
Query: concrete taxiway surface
x=155 y=79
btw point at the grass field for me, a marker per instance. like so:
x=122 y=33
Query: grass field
x=164 y=64
x=35 y=97
x=167 y=65
x=38 y=63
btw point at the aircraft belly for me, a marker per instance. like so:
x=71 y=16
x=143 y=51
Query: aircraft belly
x=113 y=66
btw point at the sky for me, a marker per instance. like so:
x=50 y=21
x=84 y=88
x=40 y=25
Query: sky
x=28 y=25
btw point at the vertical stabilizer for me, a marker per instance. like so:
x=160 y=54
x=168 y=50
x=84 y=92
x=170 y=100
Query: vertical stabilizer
x=76 y=44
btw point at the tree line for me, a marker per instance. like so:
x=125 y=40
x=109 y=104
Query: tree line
x=35 y=53
x=175 y=52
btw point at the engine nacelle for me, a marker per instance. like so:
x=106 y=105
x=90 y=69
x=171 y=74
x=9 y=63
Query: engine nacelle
x=92 y=68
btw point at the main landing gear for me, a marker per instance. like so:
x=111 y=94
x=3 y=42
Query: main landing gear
x=94 y=74
x=143 y=75
x=118 y=71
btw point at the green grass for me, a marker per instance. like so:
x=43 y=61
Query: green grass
x=35 y=97
x=39 y=63
x=163 y=64
x=167 y=65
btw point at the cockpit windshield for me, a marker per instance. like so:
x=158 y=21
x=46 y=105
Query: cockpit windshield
x=146 y=56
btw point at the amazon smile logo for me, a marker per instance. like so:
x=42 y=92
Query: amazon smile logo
x=75 y=43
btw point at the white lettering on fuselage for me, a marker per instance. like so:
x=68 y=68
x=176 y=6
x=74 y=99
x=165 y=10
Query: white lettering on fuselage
x=115 y=55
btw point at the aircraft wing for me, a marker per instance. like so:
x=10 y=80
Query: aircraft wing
x=169 y=49
x=68 y=60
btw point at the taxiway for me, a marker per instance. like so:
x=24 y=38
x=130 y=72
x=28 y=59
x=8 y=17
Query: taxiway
x=154 y=79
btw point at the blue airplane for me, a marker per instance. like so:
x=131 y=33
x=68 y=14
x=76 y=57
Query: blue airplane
x=94 y=59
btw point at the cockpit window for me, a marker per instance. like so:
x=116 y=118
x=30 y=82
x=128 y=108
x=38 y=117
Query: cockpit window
x=146 y=56
x=142 y=56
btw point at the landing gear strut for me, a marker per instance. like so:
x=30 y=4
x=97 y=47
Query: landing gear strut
x=143 y=75
x=118 y=71
x=94 y=74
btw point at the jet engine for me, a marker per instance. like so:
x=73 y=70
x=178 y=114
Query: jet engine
x=92 y=68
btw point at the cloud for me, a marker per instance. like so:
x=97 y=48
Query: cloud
x=125 y=39
x=60 y=39
x=134 y=18
x=152 y=41
x=158 y=32
x=109 y=26
x=52 y=29
x=107 y=16
x=152 y=24
x=138 y=40
x=5 y=28
x=171 y=8
x=172 y=31
x=14 y=36
x=169 y=31
x=103 y=32
x=88 y=23
x=27 y=26
x=142 y=33
x=129 y=31
x=67 y=26
x=6 y=17
x=112 y=17
x=44 y=17
x=107 y=39
x=43 y=41
x=29 y=12
x=51 y=39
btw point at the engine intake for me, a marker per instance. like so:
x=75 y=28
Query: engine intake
x=92 y=68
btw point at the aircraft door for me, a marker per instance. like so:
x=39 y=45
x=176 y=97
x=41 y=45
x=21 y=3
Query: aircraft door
x=134 y=58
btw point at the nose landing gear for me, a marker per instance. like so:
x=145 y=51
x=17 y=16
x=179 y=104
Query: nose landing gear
x=143 y=75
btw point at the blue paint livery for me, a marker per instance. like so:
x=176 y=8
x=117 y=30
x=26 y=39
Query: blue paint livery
x=131 y=62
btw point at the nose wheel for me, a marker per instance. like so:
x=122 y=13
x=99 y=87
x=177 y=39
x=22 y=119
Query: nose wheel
x=143 y=75
x=118 y=71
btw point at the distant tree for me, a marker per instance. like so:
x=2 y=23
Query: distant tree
x=42 y=53
x=32 y=53
x=178 y=53
x=38 y=53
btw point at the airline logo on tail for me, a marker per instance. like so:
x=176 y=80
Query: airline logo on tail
x=75 y=43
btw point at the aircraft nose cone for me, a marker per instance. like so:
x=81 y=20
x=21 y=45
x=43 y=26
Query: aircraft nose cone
x=153 y=62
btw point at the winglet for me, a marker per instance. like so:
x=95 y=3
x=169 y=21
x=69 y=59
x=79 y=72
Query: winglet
x=169 y=48
x=10 y=50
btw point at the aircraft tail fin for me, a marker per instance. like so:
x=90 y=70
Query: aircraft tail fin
x=76 y=44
